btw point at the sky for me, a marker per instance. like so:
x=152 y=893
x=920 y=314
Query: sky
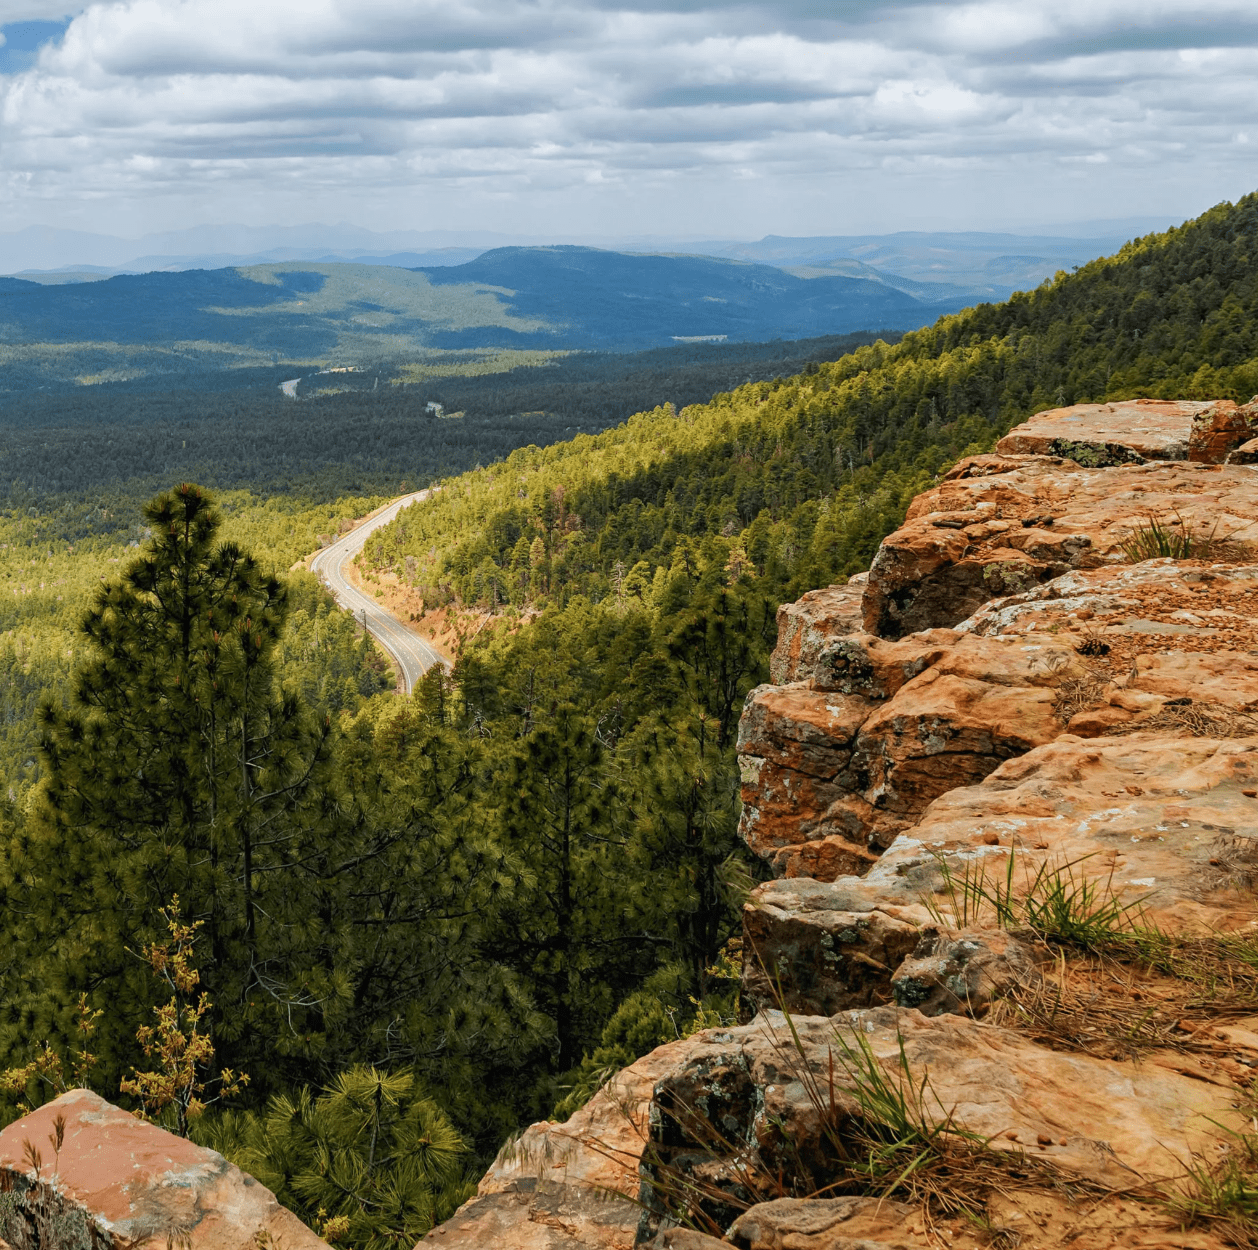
x=592 y=117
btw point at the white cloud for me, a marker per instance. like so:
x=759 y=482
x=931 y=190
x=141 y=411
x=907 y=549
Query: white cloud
x=580 y=116
x=36 y=10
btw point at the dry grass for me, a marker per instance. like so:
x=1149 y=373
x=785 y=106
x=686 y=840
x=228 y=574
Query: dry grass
x=1122 y=1009
x=1196 y=720
x=1076 y=688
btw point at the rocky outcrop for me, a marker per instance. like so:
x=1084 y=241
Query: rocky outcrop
x=1036 y=713
x=564 y=1186
x=1101 y=744
x=999 y=525
x=1137 y=430
x=107 y=1181
x=1126 y=432
x=827 y=774
x=1090 y=1120
x=1161 y=824
x=831 y=776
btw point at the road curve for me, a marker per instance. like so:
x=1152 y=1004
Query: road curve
x=412 y=654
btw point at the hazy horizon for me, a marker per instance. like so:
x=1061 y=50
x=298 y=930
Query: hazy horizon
x=44 y=249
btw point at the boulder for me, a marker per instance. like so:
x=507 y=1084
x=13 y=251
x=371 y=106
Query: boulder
x=819 y=948
x=568 y=1186
x=815 y=617
x=1125 y=432
x=1000 y=525
x=962 y=972
x=117 y=1183
x=774 y=1103
x=1221 y=429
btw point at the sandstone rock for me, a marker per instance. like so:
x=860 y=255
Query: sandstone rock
x=1124 y=432
x=1051 y=515
x=685 y=1239
x=981 y=703
x=121 y=1184
x=845 y=771
x=826 y=1224
x=817 y=949
x=1221 y=429
x=1246 y=453
x=962 y=972
x=1162 y=823
x=757 y=1097
x=818 y=616
x=1187 y=605
x=795 y=752
x=1141 y=816
x=823 y=859
x=568 y=1186
x=845 y=660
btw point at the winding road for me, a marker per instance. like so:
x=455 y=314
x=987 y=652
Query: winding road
x=412 y=654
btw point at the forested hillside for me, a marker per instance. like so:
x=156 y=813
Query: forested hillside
x=797 y=480
x=512 y=883
x=348 y=435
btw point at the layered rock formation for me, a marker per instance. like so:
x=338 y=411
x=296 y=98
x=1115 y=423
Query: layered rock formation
x=1029 y=731
x=80 y=1174
x=565 y=1186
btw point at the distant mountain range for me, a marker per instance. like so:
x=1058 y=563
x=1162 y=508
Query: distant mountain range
x=933 y=266
x=522 y=301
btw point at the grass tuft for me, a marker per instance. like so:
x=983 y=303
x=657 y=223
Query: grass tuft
x=1055 y=904
x=1160 y=539
x=1221 y=1194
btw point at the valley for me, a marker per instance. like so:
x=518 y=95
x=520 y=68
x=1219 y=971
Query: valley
x=868 y=716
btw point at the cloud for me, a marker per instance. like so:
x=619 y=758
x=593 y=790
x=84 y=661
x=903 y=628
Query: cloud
x=589 y=115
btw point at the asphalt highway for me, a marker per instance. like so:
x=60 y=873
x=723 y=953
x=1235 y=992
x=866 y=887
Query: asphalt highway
x=411 y=653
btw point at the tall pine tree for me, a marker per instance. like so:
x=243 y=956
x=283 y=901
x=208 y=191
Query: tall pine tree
x=178 y=768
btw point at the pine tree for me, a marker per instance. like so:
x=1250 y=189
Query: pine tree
x=371 y=1161
x=563 y=924
x=177 y=768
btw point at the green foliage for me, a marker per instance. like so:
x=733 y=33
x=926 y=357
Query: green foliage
x=1221 y=1194
x=1158 y=539
x=662 y=1011
x=179 y=768
x=802 y=476
x=1054 y=902
x=371 y=1161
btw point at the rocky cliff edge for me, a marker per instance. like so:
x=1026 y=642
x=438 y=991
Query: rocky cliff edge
x=1002 y=989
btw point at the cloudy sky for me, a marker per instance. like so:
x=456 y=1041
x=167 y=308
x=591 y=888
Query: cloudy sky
x=592 y=117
